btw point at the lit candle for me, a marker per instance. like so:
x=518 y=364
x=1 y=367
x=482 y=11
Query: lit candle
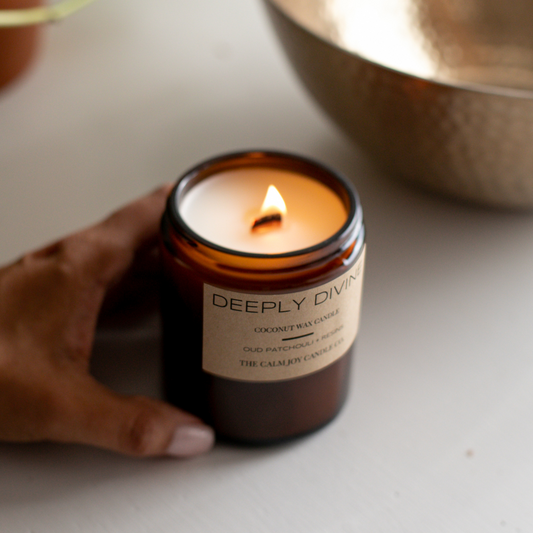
x=223 y=207
x=263 y=256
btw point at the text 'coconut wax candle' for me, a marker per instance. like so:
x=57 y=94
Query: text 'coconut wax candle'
x=263 y=256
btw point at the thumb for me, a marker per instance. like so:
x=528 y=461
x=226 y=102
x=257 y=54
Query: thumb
x=133 y=425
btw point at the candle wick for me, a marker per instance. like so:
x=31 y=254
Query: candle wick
x=267 y=221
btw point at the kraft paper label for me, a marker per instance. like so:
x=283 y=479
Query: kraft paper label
x=271 y=337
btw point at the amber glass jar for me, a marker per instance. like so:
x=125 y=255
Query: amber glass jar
x=293 y=378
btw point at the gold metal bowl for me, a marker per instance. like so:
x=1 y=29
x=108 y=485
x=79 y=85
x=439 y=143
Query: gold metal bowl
x=439 y=92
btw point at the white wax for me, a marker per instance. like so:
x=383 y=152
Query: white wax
x=222 y=208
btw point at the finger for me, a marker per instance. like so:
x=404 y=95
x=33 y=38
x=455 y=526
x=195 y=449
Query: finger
x=105 y=251
x=138 y=222
x=132 y=425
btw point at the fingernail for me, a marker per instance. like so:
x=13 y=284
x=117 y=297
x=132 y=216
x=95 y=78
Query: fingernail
x=191 y=440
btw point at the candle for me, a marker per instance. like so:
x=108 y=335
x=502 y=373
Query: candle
x=222 y=208
x=263 y=257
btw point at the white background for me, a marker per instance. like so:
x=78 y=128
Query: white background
x=437 y=434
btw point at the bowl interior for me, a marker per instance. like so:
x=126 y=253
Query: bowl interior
x=460 y=42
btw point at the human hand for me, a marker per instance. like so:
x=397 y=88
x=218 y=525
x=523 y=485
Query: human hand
x=49 y=306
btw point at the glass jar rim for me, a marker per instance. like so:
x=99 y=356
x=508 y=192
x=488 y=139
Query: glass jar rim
x=268 y=159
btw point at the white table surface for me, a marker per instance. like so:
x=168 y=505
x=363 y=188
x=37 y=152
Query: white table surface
x=437 y=434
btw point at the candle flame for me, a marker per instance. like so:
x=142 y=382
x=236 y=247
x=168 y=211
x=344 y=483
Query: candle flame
x=272 y=210
x=273 y=203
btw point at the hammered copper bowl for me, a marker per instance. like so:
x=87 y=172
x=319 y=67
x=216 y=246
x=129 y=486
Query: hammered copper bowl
x=439 y=92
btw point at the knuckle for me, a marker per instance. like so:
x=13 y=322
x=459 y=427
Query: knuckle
x=49 y=251
x=142 y=434
x=64 y=271
x=96 y=253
